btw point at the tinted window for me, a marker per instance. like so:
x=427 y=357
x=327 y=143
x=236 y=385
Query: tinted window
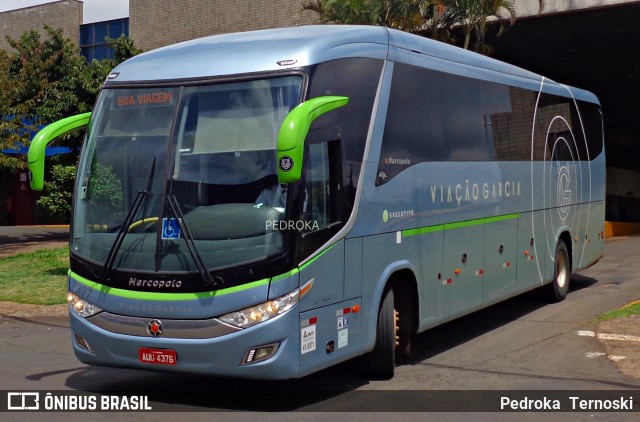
x=512 y=128
x=434 y=116
x=592 y=121
x=356 y=78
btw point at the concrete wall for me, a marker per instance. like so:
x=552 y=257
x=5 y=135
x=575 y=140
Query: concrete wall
x=156 y=23
x=66 y=15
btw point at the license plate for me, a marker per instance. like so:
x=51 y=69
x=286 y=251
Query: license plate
x=157 y=356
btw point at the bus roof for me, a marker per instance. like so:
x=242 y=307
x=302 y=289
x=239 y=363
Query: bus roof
x=280 y=49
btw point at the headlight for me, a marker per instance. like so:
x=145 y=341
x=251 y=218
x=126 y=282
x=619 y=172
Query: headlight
x=81 y=306
x=256 y=314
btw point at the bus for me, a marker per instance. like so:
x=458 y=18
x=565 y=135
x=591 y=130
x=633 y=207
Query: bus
x=270 y=203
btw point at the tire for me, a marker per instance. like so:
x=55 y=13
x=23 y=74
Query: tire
x=559 y=287
x=382 y=360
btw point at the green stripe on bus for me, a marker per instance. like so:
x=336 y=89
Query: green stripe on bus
x=423 y=230
x=502 y=218
x=459 y=225
x=306 y=264
x=463 y=224
x=129 y=294
x=285 y=275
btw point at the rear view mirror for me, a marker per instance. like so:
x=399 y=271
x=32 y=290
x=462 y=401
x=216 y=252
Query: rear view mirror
x=294 y=129
x=36 y=154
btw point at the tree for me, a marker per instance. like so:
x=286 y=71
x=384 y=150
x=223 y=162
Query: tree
x=472 y=16
x=43 y=79
x=431 y=18
x=58 y=192
x=405 y=15
x=123 y=48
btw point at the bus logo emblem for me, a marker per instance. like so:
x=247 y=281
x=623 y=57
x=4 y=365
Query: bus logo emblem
x=286 y=163
x=155 y=328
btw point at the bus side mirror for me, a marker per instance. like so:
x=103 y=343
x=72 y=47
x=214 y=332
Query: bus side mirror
x=36 y=154
x=294 y=129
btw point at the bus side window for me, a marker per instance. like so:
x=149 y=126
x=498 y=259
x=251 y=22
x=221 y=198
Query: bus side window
x=322 y=204
x=322 y=187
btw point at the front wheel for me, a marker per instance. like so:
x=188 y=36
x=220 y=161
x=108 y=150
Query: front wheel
x=559 y=287
x=382 y=360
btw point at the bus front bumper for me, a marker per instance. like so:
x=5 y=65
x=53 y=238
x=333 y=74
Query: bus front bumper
x=225 y=355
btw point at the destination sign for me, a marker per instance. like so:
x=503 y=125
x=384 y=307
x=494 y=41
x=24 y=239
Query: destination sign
x=143 y=99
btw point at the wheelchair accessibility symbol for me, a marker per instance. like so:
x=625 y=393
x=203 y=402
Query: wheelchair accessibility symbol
x=170 y=228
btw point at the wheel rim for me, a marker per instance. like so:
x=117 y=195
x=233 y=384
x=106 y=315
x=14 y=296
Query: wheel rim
x=561 y=270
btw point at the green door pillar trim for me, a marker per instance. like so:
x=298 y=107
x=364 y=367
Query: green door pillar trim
x=36 y=154
x=294 y=130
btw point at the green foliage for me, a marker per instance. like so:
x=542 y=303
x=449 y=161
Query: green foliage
x=431 y=18
x=406 y=15
x=43 y=79
x=58 y=191
x=123 y=49
x=105 y=188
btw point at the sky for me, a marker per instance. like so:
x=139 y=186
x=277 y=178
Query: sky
x=94 y=10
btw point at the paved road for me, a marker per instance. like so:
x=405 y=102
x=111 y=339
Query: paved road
x=23 y=234
x=520 y=345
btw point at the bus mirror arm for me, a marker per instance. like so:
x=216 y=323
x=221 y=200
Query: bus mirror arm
x=294 y=129
x=36 y=154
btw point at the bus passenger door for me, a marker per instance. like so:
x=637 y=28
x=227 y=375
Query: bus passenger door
x=321 y=218
x=329 y=330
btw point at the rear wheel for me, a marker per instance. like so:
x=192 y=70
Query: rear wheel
x=382 y=360
x=559 y=288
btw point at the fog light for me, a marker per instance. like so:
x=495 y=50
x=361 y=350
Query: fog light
x=83 y=343
x=259 y=354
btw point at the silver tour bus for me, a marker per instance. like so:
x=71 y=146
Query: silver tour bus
x=268 y=204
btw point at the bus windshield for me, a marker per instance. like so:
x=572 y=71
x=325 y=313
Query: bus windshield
x=172 y=175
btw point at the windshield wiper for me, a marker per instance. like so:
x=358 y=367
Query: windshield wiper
x=191 y=246
x=115 y=247
x=107 y=268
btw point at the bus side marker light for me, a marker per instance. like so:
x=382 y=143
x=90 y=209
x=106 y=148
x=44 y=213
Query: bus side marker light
x=506 y=265
x=457 y=271
x=355 y=309
x=447 y=281
x=480 y=272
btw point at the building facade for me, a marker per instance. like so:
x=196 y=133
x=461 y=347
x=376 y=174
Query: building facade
x=156 y=23
x=65 y=15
